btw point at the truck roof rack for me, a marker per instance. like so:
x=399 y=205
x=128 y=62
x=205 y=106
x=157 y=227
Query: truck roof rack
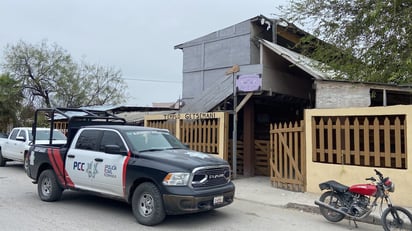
x=75 y=118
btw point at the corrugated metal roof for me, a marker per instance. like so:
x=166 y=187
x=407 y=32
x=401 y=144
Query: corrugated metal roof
x=306 y=64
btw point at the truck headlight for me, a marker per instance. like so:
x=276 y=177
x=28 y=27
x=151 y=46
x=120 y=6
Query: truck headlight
x=176 y=179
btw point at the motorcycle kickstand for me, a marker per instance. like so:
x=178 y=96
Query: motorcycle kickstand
x=354 y=222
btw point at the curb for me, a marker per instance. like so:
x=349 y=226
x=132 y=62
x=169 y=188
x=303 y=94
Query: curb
x=371 y=219
x=302 y=207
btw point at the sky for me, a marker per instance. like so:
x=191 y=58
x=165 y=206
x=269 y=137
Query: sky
x=134 y=36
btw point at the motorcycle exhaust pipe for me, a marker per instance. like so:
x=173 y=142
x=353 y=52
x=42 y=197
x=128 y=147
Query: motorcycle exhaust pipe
x=319 y=203
x=342 y=212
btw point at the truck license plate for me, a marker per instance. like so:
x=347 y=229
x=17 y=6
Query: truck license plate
x=218 y=200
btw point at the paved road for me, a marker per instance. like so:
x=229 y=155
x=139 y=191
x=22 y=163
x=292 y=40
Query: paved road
x=21 y=209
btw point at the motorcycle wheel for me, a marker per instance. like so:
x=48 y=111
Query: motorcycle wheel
x=333 y=199
x=396 y=218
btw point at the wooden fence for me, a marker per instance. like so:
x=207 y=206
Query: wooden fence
x=373 y=141
x=204 y=132
x=262 y=155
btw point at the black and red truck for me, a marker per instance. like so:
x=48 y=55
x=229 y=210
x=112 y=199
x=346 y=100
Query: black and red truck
x=146 y=167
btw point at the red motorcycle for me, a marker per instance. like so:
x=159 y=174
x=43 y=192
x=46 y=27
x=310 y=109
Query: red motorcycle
x=356 y=203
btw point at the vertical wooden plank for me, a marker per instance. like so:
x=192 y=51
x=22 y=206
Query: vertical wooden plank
x=366 y=145
x=223 y=135
x=356 y=140
x=314 y=141
x=322 y=140
x=205 y=129
x=376 y=140
x=177 y=128
x=274 y=162
x=387 y=138
x=338 y=130
x=287 y=152
x=270 y=159
x=303 y=154
x=347 y=141
x=186 y=130
x=329 y=128
x=398 y=149
x=280 y=153
x=191 y=131
x=405 y=138
x=290 y=158
x=296 y=152
x=212 y=138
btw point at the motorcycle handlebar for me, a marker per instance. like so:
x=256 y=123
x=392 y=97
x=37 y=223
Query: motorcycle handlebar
x=371 y=179
x=379 y=174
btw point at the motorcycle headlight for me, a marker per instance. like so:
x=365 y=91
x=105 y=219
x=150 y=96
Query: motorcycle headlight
x=389 y=185
x=176 y=179
x=392 y=188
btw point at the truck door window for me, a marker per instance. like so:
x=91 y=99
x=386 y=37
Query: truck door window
x=89 y=140
x=112 y=138
x=23 y=134
x=14 y=134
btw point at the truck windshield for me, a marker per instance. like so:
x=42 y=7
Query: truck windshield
x=145 y=141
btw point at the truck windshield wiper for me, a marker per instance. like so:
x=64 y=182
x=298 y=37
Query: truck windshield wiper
x=152 y=150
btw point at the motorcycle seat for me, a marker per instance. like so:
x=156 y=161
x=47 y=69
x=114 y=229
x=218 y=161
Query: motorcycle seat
x=333 y=185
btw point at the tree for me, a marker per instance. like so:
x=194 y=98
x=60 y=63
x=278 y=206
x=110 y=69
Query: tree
x=49 y=77
x=104 y=86
x=37 y=68
x=374 y=37
x=10 y=101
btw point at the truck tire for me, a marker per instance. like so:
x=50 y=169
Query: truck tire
x=147 y=204
x=2 y=160
x=47 y=187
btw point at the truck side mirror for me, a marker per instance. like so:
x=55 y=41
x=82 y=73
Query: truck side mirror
x=20 y=138
x=113 y=149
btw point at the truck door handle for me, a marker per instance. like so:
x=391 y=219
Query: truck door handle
x=70 y=156
x=98 y=160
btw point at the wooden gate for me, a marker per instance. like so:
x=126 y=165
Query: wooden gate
x=287 y=156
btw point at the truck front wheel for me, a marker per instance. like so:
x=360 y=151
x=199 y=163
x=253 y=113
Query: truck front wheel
x=48 y=188
x=147 y=204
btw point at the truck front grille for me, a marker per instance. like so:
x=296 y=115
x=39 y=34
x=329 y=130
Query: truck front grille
x=210 y=176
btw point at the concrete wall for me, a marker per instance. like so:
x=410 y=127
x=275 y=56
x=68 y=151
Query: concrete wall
x=348 y=175
x=331 y=94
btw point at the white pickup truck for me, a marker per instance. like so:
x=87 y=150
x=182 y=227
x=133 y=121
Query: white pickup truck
x=16 y=146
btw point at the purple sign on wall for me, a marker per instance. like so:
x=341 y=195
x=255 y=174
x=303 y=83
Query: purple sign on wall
x=249 y=83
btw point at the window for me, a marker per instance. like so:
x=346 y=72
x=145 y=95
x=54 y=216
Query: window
x=45 y=135
x=14 y=134
x=153 y=140
x=89 y=140
x=112 y=138
x=22 y=133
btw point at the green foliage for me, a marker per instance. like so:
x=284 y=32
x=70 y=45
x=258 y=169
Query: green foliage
x=104 y=86
x=49 y=77
x=37 y=68
x=10 y=101
x=367 y=40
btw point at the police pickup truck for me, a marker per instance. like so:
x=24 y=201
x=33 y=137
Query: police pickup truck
x=147 y=167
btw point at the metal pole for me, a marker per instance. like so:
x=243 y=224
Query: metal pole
x=234 y=136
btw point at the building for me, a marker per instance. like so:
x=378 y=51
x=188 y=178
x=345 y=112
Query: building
x=264 y=49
